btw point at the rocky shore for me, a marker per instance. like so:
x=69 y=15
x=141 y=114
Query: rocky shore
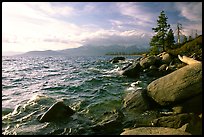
x=177 y=89
x=165 y=99
x=170 y=104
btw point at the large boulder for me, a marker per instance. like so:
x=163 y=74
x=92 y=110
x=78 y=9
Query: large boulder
x=136 y=101
x=154 y=131
x=132 y=70
x=177 y=86
x=57 y=111
x=148 y=61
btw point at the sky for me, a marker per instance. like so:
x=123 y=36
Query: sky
x=28 y=26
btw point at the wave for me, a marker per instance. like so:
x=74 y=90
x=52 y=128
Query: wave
x=54 y=88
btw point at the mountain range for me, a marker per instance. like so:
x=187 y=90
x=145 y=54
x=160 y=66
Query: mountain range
x=89 y=50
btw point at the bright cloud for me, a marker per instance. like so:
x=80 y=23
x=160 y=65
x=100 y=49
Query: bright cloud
x=54 y=26
x=31 y=28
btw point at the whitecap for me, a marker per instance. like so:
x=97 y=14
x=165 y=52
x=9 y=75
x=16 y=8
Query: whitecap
x=136 y=83
x=116 y=70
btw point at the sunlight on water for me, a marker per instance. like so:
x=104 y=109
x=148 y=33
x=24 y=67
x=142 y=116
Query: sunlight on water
x=30 y=85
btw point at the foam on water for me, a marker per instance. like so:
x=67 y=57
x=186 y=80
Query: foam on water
x=90 y=86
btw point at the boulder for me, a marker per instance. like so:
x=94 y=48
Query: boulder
x=165 y=57
x=57 y=111
x=177 y=86
x=193 y=104
x=194 y=126
x=117 y=59
x=148 y=61
x=136 y=101
x=132 y=71
x=173 y=121
x=163 y=67
x=109 y=122
x=154 y=131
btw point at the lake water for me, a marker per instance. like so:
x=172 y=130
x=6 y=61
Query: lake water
x=89 y=85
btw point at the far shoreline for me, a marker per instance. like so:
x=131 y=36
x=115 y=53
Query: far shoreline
x=144 y=54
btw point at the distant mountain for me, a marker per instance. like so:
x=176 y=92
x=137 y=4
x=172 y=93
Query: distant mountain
x=88 y=51
x=102 y=50
x=11 y=53
x=41 y=53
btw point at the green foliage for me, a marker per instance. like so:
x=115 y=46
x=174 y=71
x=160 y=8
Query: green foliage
x=154 y=50
x=191 y=47
x=169 y=40
x=158 y=41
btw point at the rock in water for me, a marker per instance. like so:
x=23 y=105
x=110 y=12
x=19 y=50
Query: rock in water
x=56 y=112
x=117 y=59
x=132 y=70
x=109 y=122
x=177 y=86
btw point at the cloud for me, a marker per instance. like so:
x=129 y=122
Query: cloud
x=25 y=24
x=192 y=17
x=137 y=12
x=190 y=10
x=89 y=8
x=32 y=27
x=43 y=26
x=115 y=37
x=52 y=9
x=116 y=22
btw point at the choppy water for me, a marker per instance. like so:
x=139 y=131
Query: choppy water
x=30 y=85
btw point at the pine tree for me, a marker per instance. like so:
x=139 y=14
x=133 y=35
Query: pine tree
x=161 y=32
x=155 y=45
x=169 y=40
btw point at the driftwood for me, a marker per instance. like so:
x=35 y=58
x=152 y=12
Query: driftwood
x=188 y=60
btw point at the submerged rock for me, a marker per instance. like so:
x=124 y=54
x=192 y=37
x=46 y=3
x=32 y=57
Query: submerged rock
x=177 y=86
x=154 y=131
x=117 y=59
x=56 y=112
x=109 y=122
